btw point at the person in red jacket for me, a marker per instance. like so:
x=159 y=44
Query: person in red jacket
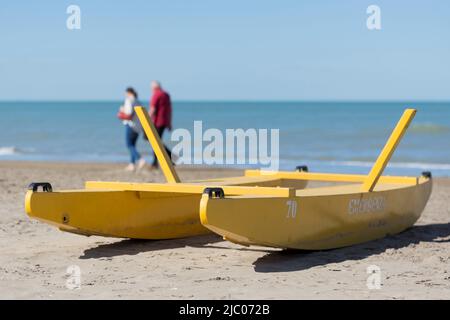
x=160 y=113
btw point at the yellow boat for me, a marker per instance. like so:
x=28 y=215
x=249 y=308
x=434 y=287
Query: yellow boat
x=260 y=208
x=364 y=208
x=141 y=210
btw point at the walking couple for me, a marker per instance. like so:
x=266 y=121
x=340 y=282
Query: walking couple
x=161 y=114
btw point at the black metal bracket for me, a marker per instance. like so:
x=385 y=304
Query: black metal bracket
x=427 y=174
x=46 y=187
x=214 y=192
x=301 y=168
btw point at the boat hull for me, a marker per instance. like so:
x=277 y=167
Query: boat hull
x=320 y=218
x=126 y=214
x=114 y=210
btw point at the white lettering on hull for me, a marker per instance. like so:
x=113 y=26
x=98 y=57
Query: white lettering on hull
x=369 y=205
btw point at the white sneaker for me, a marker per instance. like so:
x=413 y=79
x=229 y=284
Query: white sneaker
x=130 y=167
x=141 y=164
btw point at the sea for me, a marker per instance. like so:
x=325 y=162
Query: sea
x=326 y=136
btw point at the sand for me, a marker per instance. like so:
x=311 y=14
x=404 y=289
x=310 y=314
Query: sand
x=34 y=257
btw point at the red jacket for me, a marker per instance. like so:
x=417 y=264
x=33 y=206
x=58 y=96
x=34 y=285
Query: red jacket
x=162 y=116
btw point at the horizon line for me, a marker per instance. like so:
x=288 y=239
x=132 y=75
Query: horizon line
x=244 y=100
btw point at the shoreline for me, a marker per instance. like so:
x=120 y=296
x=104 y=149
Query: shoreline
x=111 y=164
x=194 y=167
x=34 y=256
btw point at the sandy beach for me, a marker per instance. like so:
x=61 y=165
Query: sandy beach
x=34 y=257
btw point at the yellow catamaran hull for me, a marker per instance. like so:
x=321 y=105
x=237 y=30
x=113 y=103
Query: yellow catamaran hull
x=138 y=210
x=317 y=218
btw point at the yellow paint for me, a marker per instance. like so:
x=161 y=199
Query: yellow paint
x=327 y=177
x=187 y=188
x=323 y=218
x=126 y=214
x=143 y=210
x=161 y=154
x=388 y=150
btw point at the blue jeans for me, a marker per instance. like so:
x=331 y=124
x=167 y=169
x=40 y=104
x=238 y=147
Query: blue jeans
x=131 y=137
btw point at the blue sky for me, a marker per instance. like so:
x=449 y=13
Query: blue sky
x=226 y=50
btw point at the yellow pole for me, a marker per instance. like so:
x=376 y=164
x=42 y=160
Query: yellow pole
x=157 y=145
x=388 y=150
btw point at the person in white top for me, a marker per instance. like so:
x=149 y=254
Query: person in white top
x=132 y=128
